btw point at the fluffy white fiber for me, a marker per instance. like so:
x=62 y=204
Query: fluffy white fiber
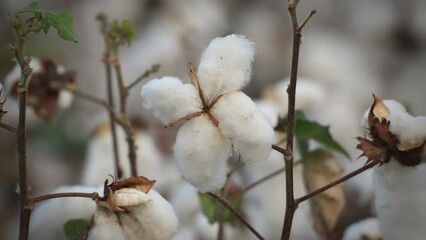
x=269 y=111
x=240 y=120
x=225 y=65
x=170 y=99
x=392 y=105
x=364 y=229
x=202 y=153
x=411 y=131
x=154 y=219
x=399 y=200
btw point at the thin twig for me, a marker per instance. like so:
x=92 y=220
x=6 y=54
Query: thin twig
x=230 y=208
x=291 y=204
x=110 y=97
x=338 y=181
x=266 y=178
x=281 y=150
x=38 y=199
x=8 y=128
x=154 y=69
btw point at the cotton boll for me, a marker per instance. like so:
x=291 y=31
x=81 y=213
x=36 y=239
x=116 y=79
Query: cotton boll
x=399 y=200
x=225 y=65
x=170 y=99
x=48 y=217
x=240 y=120
x=186 y=203
x=201 y=153
x=364 y=229
x=269 y=112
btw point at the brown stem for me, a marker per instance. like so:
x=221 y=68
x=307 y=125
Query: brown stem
x=230 y=208
x=38 y=199
x=8 y=128
x=338 y=181
x=110 y=97
x=123 y=91
x=291 y=204
x=281 y=150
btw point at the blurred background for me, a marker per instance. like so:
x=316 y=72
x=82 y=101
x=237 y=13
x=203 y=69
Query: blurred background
x=352 y=48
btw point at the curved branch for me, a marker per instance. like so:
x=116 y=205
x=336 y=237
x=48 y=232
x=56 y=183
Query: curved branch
x=38 y=199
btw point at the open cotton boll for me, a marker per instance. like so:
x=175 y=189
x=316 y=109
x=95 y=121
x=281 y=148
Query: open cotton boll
x=399 y=200
x=249 y=131
x=49 y=217
x=202 y=153
x=364 y=229
x=411 y=131
x=170 y=99
x=225 y=65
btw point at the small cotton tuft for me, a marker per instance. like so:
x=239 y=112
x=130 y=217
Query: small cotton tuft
x=127 y=197
x=202 y=152
x=392 y=105
x=225 y=65
x=411 y=131
x=249 y=131
x=170 y=99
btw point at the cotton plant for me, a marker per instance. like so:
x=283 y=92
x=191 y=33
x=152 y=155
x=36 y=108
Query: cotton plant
x=130 y=209
x=220 y=119
x=397 y=141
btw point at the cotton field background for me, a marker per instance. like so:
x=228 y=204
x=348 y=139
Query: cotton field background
x=350 y=49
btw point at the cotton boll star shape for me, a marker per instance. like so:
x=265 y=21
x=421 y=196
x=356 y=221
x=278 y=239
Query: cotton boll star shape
x=220 y=118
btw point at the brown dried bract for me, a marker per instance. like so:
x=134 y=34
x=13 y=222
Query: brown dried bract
x=383 y=145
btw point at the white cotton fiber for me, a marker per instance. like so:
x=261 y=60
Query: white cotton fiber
x=411 y=131
x=105 y=226
x=225 y=65
x=269 y=112
x=400 y=194
x=240 y=120
x=169 y=99
x=202 y=153
x=127 y=197
x=154 y=220
x=364 y=229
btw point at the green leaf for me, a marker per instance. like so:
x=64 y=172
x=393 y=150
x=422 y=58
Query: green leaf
x=34 y=7
x=307 y=129
x=75 y=228
x=214 y=211
x=63 y=22
x=128 y=30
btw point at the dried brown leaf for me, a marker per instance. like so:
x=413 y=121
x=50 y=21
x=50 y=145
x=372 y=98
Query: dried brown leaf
x=141 y=183
x=378 y=111
x=320 y=169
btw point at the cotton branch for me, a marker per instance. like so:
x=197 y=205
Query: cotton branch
x=291 y=204
x=8 y=128
x=38 y=199
x=338 y=181
x=230 y=208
